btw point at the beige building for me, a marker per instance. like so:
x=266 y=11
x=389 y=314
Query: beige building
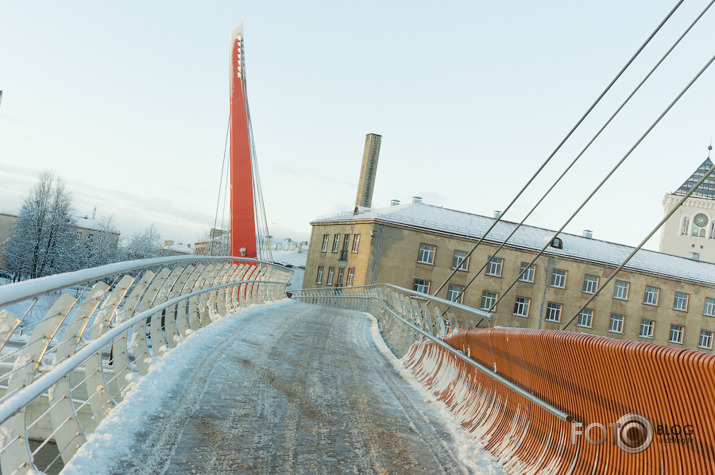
x=690 y=232
x=658 y=298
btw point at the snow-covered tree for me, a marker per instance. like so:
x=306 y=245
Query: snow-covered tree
x=103 y=246
x=43 y=240
x=143 y=245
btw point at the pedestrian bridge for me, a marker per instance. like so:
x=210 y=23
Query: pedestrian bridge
x=202 y=365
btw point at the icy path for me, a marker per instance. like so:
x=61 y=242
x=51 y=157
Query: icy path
x=280 y=388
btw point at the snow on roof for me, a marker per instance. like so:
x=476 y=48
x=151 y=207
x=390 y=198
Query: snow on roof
x=178 y=248
x=294 y=258
x=88 y=223
x=472 y=226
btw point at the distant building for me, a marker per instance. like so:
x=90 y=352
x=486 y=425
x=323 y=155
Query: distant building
x=658 y=297
x=217 y=244
x=88 y=229
x=690 y=232
x=170 y=248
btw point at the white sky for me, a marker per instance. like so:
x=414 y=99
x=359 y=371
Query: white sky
x=128 y=102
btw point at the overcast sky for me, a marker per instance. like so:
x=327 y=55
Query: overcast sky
x=128 y=102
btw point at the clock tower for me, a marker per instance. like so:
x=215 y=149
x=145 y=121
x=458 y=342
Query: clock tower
x=690 y=232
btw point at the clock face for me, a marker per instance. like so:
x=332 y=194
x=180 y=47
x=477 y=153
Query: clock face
x=700 y=220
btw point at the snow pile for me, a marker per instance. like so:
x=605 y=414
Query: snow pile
x=471 y=452
x=116 y=434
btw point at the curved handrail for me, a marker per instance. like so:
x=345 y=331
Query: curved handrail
x=24 y=397
x=72 y=365
x=483 y=314
x=29 y=289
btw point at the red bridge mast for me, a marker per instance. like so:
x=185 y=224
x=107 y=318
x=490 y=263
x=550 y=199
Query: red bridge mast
x=243 y=216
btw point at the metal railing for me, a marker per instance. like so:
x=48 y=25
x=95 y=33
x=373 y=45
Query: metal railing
x=406 y=317
x=67 y=359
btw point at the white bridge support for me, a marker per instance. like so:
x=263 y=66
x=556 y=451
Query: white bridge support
x=62 y=372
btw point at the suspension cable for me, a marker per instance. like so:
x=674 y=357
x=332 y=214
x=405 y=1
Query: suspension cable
x=223 y=238
x=607 y=177
x=551 y=188
x=260 y=208
x=650 y=235
x=220 y=184
x=568 y=135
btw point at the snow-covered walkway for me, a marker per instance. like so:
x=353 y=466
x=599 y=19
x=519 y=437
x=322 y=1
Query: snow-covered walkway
x=280 y=388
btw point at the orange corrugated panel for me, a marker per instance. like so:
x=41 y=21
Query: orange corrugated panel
x=597 y=380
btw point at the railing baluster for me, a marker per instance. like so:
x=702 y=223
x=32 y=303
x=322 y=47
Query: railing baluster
x=87 y=376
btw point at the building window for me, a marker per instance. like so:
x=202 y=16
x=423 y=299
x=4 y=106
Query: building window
x=684 y=225
x=709 y=307
x=590 y=284
x=460 y=261
x=620 y=290
x=521 y=306
x=454 y=293
x=336 y=242
x=647 y=328
x=494 y=266
x=553 y=312
x=421 y=285
x=341 y=271
x=351 y=275
x=488 y=300
x=319 y=277
x=426 y=254
x=616 y=323
x=706 y=339
x=681 y=301
x=651 y=295
x=712 y=229
x=326 y=240
x=676 y=334
x=527 y=276
x=331 y=274
x=558 y=278
x=356 y=243
x=585 y=318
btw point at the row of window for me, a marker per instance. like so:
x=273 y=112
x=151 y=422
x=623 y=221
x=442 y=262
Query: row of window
x=617 y=321
x=331 y=278
x=522 y=307
x=336 y=243
x=559 y=277
x=427 y=253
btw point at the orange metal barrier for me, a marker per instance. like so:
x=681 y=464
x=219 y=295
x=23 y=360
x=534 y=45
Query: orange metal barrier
x=596 y=380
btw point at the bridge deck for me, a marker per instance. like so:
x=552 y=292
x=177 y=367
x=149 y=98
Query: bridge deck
x=291 y=387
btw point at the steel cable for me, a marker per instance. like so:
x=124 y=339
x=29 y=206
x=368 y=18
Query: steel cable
x=568 y=135
x=568 y=168
x=607 y=177
x=638 y=248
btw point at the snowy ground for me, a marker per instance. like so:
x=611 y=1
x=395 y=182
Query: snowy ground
x=281 y=388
